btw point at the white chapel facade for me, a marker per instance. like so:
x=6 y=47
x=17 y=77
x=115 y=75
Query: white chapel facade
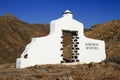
x=65 y=44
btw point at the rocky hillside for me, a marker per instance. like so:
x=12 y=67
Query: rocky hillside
x=110 y=33
x=15 y=34
x=93 y=71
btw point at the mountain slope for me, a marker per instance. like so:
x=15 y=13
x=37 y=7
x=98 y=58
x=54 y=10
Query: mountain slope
x=15 y=34
x=110 y=33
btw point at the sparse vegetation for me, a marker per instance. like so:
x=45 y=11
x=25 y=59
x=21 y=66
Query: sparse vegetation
x=15 y=34
x=110 y=33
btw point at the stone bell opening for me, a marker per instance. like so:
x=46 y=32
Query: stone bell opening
x=69 y=46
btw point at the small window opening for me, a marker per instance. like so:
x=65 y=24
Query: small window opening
x=26 y=56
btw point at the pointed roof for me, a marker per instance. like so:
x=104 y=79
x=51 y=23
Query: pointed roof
x=67 y=12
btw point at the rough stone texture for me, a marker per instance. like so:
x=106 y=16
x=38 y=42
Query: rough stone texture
x=92 y=71
x=15 y=34
x=110 y=33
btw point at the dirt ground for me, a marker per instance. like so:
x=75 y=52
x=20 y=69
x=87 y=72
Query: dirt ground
x=17 y=34
x=92 y=71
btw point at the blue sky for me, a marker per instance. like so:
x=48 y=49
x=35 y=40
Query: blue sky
x=89 y=12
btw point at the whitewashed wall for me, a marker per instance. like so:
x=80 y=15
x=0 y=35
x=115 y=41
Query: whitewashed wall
x=46 y=50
